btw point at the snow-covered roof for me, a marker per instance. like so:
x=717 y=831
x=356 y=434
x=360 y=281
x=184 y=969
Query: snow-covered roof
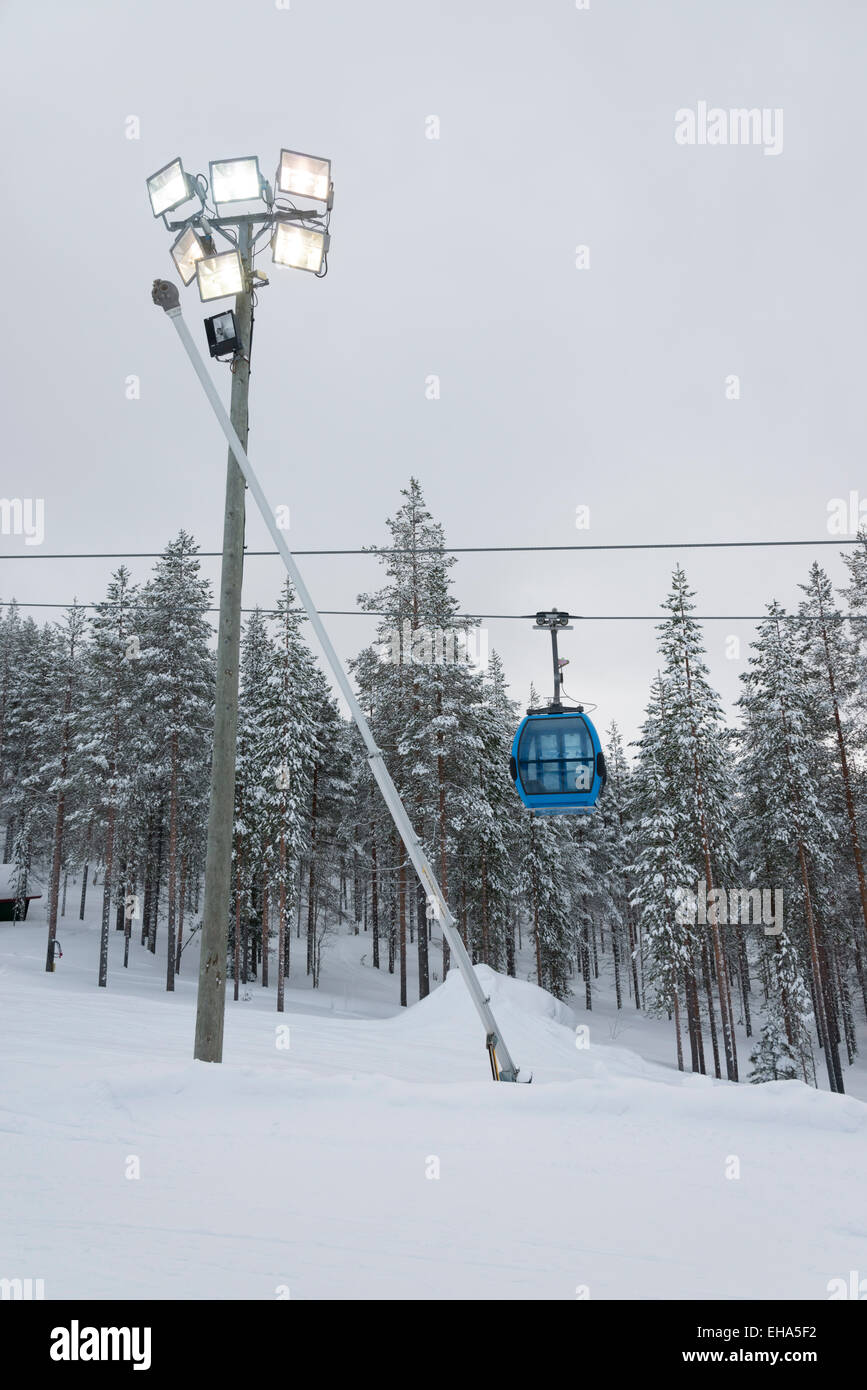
x=9 y=883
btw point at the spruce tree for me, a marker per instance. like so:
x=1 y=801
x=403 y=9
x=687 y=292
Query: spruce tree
x=108 y=739
x=287 y=755
x=176 y=674
x=784 y=772
x=703 y=780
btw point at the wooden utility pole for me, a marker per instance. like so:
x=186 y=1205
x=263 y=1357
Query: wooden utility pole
x=211 y=1008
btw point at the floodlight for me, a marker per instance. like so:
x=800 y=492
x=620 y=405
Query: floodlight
x=304 y=175
x=302 y=248
x=169 y=187
x=189 y=248
x=219 y=276
x=236 y=180
x=221 y=332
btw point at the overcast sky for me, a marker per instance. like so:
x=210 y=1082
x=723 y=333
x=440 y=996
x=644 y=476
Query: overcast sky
x=603 y=386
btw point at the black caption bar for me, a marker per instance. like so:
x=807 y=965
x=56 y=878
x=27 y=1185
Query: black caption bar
x=145 y=1339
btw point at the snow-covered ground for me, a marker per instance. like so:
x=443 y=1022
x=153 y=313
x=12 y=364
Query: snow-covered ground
x=374 y=1158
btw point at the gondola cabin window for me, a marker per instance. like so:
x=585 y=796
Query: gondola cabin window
x=556 y=757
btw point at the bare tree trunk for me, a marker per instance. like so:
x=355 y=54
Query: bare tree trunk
x=729 y=1044
x=676 y=1003
x=83 y=891
x=421 y=911
x=485 y=941
x=585 y=965
x=696 y=1041
x=119 y=924
x=59 y=817
x=155 y=903
x=444 y=874
x=539 y=981
x=181 y=914
x=708 y=989
x=173 y=865
x=832 y=1061
x=311 y=879
x=829 y=1047
x=236 y=957
x=744 y=973
x=148 y=879
x=847 y=781
x=402 y=909
x=106 y=890
x=281 y=922
x=265 y=930
x=843 y=994
x=127 y=927
x=374 y=897
x=860 y=971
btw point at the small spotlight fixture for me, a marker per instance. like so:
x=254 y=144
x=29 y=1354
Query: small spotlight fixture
x=191 y=246
x=219 y=276
x=221 y=332
x=304 y=176
x=301 y=248
x=169 y=187
x=236 y=180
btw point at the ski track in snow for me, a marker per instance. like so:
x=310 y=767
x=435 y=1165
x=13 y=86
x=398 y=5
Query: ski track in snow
x=306 y=1168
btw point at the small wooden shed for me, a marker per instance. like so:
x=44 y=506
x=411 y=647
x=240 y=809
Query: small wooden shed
x=8 y=886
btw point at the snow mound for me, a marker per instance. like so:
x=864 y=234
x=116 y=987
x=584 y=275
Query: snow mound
x=348 y=1157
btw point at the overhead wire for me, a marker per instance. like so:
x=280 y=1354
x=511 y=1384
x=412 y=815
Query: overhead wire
x=444 y=549
x=498 y=617
x=465 y=550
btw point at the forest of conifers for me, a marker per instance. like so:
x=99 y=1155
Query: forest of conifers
x=105 y=726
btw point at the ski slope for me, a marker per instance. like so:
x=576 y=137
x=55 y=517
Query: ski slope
x=307 y=1171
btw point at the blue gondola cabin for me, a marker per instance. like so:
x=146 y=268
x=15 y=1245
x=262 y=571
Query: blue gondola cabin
x=557 y=764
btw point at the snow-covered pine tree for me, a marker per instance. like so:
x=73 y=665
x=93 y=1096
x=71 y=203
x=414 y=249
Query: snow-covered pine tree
x=60 y=721
x=108 y=735
x=661 y=873
x=30 y=653
x=176 y=674
x=703 y=780
x=491 y=825
x=370 y=674
x=774 y=1058
x=427 y=692
x=600 y=888
x=253 y=766
x=13 y=645
x=329 y=819
x=786 y=827
x=830 y=656
x=27 y=665
x=288 y=753
x=546 y=848
x=615 y=851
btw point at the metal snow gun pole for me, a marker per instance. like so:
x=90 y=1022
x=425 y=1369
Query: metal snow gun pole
x=503 y=1068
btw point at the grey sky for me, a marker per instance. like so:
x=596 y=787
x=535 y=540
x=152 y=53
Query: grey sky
x=455 y=257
